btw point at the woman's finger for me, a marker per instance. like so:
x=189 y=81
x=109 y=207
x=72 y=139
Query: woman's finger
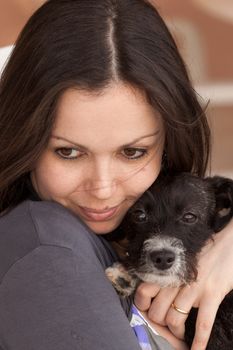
x=205 y=319
x=161 y=304
x=179 y=310
x=144 y=295
x=164 y=332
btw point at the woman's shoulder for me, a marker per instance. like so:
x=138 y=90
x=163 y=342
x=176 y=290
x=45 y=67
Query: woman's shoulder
x=42 y=218
x=34 y=224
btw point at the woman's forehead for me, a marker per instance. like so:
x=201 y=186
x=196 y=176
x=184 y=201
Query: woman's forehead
x=119 y=112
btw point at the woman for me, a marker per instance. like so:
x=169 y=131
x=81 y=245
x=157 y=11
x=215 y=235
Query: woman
x=94 y=102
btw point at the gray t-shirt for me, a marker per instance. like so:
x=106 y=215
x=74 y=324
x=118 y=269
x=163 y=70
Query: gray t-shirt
x=54 y=294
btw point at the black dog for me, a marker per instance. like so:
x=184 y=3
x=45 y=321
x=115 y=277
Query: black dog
x=165 y=230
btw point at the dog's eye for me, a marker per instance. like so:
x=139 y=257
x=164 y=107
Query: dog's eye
x=139 y=216
x=189 y=218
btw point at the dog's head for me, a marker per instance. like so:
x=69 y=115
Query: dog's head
x=171 y=222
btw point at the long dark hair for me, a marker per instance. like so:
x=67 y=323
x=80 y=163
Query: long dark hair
x=89 y=45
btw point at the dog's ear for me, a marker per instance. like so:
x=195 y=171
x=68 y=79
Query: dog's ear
x=223 y=190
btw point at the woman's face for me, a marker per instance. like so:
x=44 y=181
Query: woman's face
x=104 y=151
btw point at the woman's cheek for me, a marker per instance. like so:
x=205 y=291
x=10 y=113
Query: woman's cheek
x=146 y=176
x=52 y=180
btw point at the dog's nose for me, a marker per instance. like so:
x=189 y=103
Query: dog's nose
x=162 y=259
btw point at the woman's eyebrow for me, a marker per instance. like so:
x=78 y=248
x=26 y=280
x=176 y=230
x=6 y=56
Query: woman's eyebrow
x=126 y=145
x=141 y=138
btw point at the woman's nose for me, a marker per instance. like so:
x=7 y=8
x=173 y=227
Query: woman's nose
x=103 y=190
x=102 y=182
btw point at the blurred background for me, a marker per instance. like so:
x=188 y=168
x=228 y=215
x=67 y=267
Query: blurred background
x=203 y=30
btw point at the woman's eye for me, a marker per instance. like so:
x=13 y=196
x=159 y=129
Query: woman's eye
x=134 y=153
x=68 y=153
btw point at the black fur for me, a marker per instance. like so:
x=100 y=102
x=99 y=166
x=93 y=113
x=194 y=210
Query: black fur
x=166 y=229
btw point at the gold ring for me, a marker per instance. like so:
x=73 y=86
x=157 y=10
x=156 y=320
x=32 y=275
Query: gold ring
x=179 y=310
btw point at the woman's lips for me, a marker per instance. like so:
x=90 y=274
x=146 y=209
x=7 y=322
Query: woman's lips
x=98 y=215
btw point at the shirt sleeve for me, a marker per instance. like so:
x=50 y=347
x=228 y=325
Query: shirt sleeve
x=54 y=299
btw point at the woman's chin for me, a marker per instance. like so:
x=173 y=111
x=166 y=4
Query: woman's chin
x=101 y=228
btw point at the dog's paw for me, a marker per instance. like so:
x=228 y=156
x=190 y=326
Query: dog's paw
x=121 y=280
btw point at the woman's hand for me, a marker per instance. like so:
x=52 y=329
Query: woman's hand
x=167 y=334
x=215 y=280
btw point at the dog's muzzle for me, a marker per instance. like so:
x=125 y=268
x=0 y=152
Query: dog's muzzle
x=162 y=259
